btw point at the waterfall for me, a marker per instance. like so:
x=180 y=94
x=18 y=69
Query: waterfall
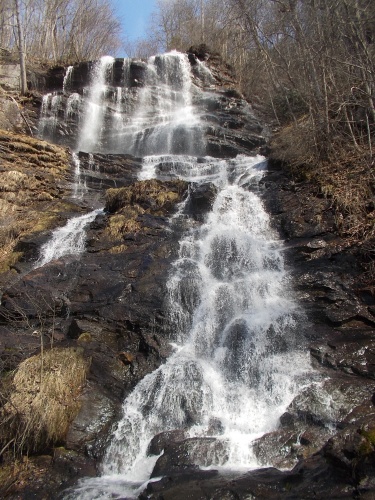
x=79 y=182
x=156 y=118
x=90 y=134
x=238 y=357
x=67 y=240
x=237 y=360
x=49 y=114
x=67 y=78
x=233 y=324
x=165 y=120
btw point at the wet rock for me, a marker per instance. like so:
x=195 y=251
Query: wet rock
x=351 y=351
x=163 y=440
x=201 y=199
x=328 y=403
x=90 y=428
x=215 y=427
x=104 y=171
x=75 y=329
x=189 y=455
x=71 y=465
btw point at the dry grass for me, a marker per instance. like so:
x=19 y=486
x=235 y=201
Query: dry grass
x=17 y=474
x=128 y=203
x=31 y=173
x=120 y=224
x=43 y=399
x=345 y=176
x=118 y=249
x=152 y=195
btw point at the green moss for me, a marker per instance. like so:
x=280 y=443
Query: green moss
x=85 y=337
x=368 y=445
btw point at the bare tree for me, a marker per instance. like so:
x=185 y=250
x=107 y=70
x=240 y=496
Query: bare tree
x=21 y=48
x=61 y=30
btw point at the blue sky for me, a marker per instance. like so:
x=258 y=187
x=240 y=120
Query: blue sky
x=134 y=16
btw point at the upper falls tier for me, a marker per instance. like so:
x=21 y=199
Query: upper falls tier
x=171 y=103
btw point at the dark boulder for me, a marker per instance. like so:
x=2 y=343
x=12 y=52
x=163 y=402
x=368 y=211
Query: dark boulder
x=164 y=440
x=190 y=455
x=201 y=199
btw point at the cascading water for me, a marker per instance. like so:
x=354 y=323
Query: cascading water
x=165 y=121
x=237 y=360
x=90 y=134
x=49 y=114
x=67 y=240
x=156 y=118
x=233 y=324
x=67 y=78
x=79 y=182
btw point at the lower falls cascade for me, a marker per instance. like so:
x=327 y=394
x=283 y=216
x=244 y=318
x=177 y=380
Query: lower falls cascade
x=238 y=354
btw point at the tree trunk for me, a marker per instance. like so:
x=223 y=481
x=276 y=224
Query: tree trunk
x=21 y=49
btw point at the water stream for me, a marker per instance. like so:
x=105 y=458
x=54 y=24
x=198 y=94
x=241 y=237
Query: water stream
x=238 y=355
x=67 y=240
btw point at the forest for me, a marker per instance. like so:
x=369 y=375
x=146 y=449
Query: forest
x=307 y=66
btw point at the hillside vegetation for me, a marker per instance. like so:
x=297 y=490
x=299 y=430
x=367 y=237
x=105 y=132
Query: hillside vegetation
x=33 y=182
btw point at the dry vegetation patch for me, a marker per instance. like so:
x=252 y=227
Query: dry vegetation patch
x=152 y=195
x=345 y=176
x=32 y=173
x=43 y=399
x=128 y=203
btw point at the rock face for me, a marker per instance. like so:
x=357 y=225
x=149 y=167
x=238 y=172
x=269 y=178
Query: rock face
x=229 y=123
x=110 y=303
x=326 y=435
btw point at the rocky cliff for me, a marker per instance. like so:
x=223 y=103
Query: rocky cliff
x=109 y=304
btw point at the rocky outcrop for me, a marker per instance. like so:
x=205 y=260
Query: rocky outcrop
x=109 y=302
x=325 y=437
x=33 y=194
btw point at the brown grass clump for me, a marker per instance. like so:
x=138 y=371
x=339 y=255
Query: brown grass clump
x=120 y=224
x=43 y=399
x=128 y=203
x=152 y=195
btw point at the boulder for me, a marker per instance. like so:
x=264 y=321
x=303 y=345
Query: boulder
x=164 y=440
x=190 y=454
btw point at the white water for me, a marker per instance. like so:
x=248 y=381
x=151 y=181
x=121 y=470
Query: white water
x=154 y=119
x=49 y=114
x=234 y=326
x=79 y=181
x=90 y=133
x=237 y=360
x=67 y=78
x=67 y=240
x=165 y=120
